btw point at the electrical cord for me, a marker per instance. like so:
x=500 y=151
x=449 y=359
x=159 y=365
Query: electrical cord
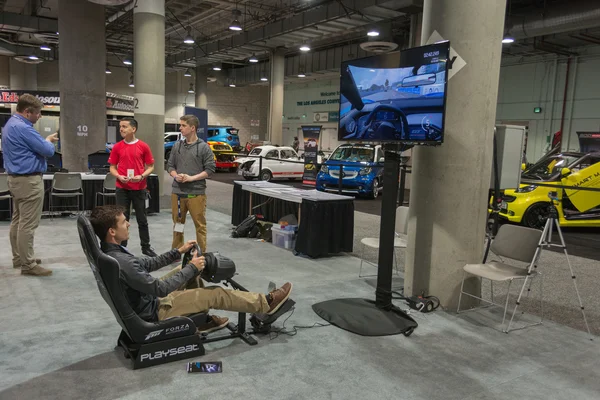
x=420 y=303
x=275 y=332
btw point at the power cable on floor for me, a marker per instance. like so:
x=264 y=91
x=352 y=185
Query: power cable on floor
x=275 y=332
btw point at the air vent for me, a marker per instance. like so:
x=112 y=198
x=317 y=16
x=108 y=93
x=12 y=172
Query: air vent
x=27 y=60
x=378 y=47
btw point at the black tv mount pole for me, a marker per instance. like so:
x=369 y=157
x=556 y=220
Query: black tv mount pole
x=391 y=175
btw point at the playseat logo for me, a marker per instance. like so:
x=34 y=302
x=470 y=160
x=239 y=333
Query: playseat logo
x=153 y=334
x=176 y=329
x=170 y=353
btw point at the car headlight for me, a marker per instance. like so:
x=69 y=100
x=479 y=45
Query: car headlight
x=365 y=171
x=526 y=189
x=324 y=169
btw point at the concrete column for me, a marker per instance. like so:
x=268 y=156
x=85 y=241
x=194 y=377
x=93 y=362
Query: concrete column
x=450 y=183
x=275 y=127
x=82 y=81
x=149 y=75
x=201 y=87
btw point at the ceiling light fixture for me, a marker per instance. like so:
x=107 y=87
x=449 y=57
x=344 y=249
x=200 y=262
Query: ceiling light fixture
x=508 y=39
x=264 y=79
x=304 y=47
x=373 y=33
x=188 y=38
x=217 y=68
x=127 y=61
x=191 y=89
x=301 y=75
x=187 y=72
x=108 y=71
x=253 y=59
x=232 y=85
x=45 y=47
x=235 y=24
x=131 y=82
x=33 y=57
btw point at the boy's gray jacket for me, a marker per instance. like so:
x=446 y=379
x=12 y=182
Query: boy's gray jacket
x=191 y=159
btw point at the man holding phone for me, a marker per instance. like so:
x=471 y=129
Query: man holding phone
x=25 y=153
x=131 y=162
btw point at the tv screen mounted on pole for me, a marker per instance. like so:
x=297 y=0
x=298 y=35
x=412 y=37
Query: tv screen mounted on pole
x=395 y=97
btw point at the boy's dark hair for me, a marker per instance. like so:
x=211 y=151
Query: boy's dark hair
x=191 y=120
x=132 y=122
x=105 y=217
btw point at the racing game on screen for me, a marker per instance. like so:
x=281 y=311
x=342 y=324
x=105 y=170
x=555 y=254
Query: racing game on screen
x=396 y=97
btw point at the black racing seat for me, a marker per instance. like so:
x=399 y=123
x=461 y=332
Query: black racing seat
x=145 y=343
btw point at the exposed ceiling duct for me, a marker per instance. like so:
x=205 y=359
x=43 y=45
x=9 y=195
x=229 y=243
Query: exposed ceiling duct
x=565 y=17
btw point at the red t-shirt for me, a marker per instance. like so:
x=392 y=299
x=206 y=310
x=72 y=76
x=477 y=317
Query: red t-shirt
x=134 y=156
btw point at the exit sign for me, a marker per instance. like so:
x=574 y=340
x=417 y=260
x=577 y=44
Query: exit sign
x=537 y=110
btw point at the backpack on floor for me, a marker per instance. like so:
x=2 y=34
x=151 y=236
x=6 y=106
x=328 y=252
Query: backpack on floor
x=245 y=227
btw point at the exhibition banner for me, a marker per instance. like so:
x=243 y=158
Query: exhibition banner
x=202 y=115
x=113 y=101
x=311 y=134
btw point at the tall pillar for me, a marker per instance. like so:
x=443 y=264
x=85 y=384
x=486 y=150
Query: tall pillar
x=82 y=81
x=450 y=183
x=201 y=87
x=149 y=76
x=275 y=127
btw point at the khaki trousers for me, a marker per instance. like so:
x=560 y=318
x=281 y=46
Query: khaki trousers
x=196 y=298
x=197 y=208
x=28 y=200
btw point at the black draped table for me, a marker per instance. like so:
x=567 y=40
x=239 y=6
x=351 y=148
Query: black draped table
x=326 y=221
x=92 y=184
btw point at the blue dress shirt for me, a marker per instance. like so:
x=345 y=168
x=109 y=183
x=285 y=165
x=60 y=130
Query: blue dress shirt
x=25 y=151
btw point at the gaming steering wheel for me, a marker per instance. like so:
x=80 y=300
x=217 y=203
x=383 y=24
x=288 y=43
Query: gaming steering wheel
x=377 y=124
x=187 y=257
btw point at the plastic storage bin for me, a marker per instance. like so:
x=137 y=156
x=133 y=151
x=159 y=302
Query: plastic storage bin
x=283 y=238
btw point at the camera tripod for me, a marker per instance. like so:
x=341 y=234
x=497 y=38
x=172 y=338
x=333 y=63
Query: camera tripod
x=546 y=242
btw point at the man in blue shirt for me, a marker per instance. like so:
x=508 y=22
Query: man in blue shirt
x=25 y=153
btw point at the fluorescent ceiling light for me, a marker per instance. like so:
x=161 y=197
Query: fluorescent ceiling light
x=216 y=68
x=187 y=72
x=264 y=79
x=301 y=75
x=253 y=59
x=508 y=39
x=33 y=57
x=232 y=85
x=235 y=25
x=373 y=33
x=45 y=47
x=305 y=47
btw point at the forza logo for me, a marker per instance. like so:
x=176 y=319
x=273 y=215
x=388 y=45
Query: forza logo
x=176 y=329
x=153 y=334
x=169 y=353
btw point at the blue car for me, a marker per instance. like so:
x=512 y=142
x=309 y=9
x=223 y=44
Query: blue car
x=362 y=169
x=225 y=134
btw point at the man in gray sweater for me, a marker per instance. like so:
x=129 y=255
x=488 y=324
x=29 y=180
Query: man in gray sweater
x=190 y=163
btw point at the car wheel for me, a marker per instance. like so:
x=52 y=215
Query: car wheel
x=265 y=175
x=375 y=190
x=536 y=216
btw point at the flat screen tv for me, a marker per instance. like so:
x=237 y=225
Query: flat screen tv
x=395 y=97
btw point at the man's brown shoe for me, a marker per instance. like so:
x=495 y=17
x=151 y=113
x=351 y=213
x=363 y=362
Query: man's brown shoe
x=214 y=324
x=278 y=297
x=37 y=261
x=36 y=271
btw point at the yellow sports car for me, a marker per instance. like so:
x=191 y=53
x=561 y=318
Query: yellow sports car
x=224 y=156
x=530 y=203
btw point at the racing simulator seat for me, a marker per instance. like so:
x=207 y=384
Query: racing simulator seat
x=153 y=343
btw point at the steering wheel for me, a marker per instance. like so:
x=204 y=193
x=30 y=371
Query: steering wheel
x=188 y=254
x=377 y=124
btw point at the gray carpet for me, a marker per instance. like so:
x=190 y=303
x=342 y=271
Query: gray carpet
x=57 y=335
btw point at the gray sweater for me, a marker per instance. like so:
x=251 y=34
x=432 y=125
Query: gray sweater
x=191 y=159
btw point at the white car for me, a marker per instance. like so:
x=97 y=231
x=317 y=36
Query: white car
x=278 y=163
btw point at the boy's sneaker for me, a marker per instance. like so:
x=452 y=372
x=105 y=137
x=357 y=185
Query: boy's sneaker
x=214 y=324
x=278 y=297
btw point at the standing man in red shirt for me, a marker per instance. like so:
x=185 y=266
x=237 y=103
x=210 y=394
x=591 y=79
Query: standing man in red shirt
x=131 y=162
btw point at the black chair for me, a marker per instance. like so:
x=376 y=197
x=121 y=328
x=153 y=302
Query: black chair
x=145 y=343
